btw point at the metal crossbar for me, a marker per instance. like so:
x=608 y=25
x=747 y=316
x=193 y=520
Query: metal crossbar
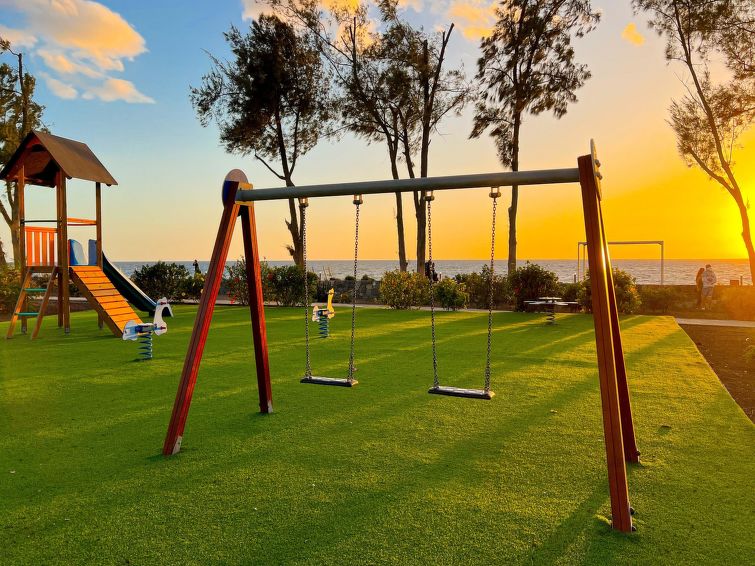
x=486 y=180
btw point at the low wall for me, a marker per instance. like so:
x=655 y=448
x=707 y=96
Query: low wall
x=368 y=290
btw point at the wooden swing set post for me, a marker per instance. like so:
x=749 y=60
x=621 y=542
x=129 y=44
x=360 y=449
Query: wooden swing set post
x=608 y=343
x=234 y=180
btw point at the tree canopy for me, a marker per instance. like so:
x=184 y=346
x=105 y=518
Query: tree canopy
x=271 y=100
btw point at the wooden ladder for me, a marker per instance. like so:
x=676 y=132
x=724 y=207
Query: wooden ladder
x=26 y=291
x=103 y=297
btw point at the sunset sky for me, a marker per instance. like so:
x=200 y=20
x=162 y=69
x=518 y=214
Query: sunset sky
x=116 y=75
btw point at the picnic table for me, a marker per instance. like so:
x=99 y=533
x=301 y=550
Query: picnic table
x=549 y=305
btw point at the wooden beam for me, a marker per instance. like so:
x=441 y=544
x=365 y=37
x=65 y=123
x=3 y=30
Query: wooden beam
x=257 y=308
x=174 y=436
x=63 y=265
x=59 y=260
x=21 y=186
x=43 y=304
x=631 y=453
x=98 y=220
x=607 y=373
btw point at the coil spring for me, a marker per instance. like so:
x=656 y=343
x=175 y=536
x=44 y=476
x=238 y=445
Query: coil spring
x=550 y=317
x=145 y=347
x=324 y=325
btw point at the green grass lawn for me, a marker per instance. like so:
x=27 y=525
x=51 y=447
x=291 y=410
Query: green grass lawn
x=382 y=473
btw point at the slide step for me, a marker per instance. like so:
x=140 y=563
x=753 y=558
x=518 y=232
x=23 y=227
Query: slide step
x=35 y=290
x=27 y=314
x=339 y=382
x=461 y=392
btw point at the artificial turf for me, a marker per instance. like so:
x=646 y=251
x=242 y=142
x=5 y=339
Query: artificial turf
x=381 y=473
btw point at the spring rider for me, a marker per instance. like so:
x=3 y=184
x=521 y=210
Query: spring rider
x=144 y=331
x=322 y=315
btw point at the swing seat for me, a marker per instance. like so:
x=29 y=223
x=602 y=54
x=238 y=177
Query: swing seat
x=337 y=381
x=461 y=392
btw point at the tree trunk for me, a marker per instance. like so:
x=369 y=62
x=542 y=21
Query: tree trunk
x=511 y=264
x=420 y=213
x=402 y=263
x=296 y=249
x=746 y=234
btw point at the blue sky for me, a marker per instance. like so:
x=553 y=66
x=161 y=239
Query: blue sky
x=170 y=169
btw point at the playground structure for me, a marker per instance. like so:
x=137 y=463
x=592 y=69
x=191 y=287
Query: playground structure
x=144 y=331
x=45 y=160
x=582 y=262
x=239 y=199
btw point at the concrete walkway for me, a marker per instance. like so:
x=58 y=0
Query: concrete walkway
x=714 y=322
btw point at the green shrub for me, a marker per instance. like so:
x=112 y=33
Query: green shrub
x=162 y=280
x=476 y=286
x=283 y=284
x=10 y=287
x=287 y=285
x=193 y=286
x=737 y=302
x=238 y=290
x=404 y=290
x=450 y=295
x=571 y=291
x=659 y=300
x=532 y=281
x=627 y=297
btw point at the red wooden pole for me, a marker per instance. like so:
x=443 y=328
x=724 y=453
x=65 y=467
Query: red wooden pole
x=601 y=307
x=631 y=453
x=204 y=314
x=257 y=308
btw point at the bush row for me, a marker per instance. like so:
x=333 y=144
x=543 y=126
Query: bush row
x=411 y=290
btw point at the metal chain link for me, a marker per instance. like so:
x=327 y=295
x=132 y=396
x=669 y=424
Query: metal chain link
x=436 y=381
x=491 y=282
x=354 y=298
x=303 y=212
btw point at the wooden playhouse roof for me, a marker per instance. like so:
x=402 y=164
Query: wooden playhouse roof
x=42 y=154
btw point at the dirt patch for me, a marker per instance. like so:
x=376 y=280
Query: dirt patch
x=724 y=348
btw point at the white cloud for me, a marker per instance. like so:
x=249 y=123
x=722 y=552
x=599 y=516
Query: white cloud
x=252 y=9
x=118 y=89
x=415 y=5
x=475 y=18
x=632 y=35
x=59 y=62
x=18 y=38
x=59 y=88
x=82 y=41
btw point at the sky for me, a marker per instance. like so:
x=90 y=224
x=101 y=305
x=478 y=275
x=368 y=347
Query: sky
x=116 y=74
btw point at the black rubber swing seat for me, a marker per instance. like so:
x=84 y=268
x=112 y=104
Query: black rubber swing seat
x=337 y=381
x=461 y=392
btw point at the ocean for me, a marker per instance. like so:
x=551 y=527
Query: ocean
x=645 y=271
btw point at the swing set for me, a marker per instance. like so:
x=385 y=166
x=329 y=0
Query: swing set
x=239 y=199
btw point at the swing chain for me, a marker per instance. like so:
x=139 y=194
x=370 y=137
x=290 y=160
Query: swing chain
x=428 y=199
x=357 y=202
x=303 y=203
x=495 y=192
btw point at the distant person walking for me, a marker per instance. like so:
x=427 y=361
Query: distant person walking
x=197 y=271
x=709 y=282
x=699 y=286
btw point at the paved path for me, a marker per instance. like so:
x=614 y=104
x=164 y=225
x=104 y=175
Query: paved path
x=713 y=322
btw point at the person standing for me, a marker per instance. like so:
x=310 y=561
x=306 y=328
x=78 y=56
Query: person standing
x=699 y=286
x=709 y=282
